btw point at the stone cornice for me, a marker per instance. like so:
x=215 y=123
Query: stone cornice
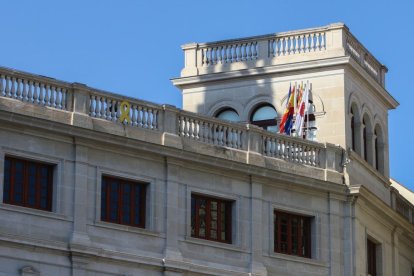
x=218 y=158
x=384 y=212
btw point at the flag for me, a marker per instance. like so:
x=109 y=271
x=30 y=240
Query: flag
x=303 y=108
x=286 y=122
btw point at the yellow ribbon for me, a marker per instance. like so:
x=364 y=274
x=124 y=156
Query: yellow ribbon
x=125 y=108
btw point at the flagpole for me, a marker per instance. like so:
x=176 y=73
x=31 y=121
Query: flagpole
x=307 y=113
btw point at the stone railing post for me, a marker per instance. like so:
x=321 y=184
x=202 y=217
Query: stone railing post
x=254 y=145
x=263 y=52
x=80 y=106
x=191 y=59
x=336 y=37
x=332 y=157
x=168 y=122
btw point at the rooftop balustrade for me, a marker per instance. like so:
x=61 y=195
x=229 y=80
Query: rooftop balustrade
x=83 y=104
x=330 y=41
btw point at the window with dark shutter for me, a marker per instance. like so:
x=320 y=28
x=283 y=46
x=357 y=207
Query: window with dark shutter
x=211 y=218
x=123 y=201
x=28 y=183
x=292 y=234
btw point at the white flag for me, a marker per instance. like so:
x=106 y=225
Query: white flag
x=303 y=108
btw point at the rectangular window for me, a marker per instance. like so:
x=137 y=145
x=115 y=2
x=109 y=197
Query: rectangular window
x=123 y=201
x=292 y=234
x=211 y=218
x=28 y=183
x=372 y=258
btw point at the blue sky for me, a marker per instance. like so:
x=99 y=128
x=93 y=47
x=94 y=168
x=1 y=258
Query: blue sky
x=133 y=47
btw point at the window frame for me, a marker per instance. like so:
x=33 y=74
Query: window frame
x=226 y=109
x=277 y=233
x=39 y=165
x=265 y=124
x=143 y=201
x=228 y=220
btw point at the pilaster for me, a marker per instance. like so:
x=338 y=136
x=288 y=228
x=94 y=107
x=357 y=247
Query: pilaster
x=256 y=229
x=172 y=211
x=79 y=235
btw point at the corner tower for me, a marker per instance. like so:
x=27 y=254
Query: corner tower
x=233 y=79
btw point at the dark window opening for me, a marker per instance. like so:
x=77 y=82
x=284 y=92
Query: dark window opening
x=123 y=201
x=365 y=142
x=292 y=234
x=372 y=258
x=353 y=129
x=211 y=218
x=28 y=183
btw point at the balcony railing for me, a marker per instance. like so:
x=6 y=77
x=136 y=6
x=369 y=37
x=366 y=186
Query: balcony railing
x=330 y=41
x=92 y=104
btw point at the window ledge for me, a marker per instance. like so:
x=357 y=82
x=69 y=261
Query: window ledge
x=35 y=212
x=126 y=228
x=296 y=259
x=210 y=243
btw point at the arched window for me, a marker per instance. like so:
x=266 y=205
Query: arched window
x=352 y=129
x=367 y=139
x=265 y=116
x=229 y=114
x=356 y=129
x=379 y=149
x=364 y=139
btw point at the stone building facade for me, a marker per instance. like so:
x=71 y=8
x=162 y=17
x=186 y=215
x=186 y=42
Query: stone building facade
x=96 y=183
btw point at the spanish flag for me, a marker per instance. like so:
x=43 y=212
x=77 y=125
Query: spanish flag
x=287 y=119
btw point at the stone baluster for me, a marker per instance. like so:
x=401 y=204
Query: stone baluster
x=185 y=126
x=97 y=110
x=13 y=88
x=24 y=90
x=18 y=88
x=64 y=99
x=192 y=129
x=30 y=91
x=109 y=109
x=113 y=109
x=47 y=95
x=58 y=98
x=239 y=52
x=323 y=41
x=52 y=95
x=307 y=38
x=295 y=41
x=225 y=53
x=233 y=51
x=118 y=110
x=150 y=117
x=154 y=123
x=102 y=109
x=250 y=51
x=318 y=44
x=144 y=117
x=286 y=47
x=134 y=114
x=312 y=42
x=7 y=90
x=1 y=85
x=41 y=92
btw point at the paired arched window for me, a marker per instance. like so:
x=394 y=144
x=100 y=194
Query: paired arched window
x=265 y=116
x=229 y=114
x=367 y=140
